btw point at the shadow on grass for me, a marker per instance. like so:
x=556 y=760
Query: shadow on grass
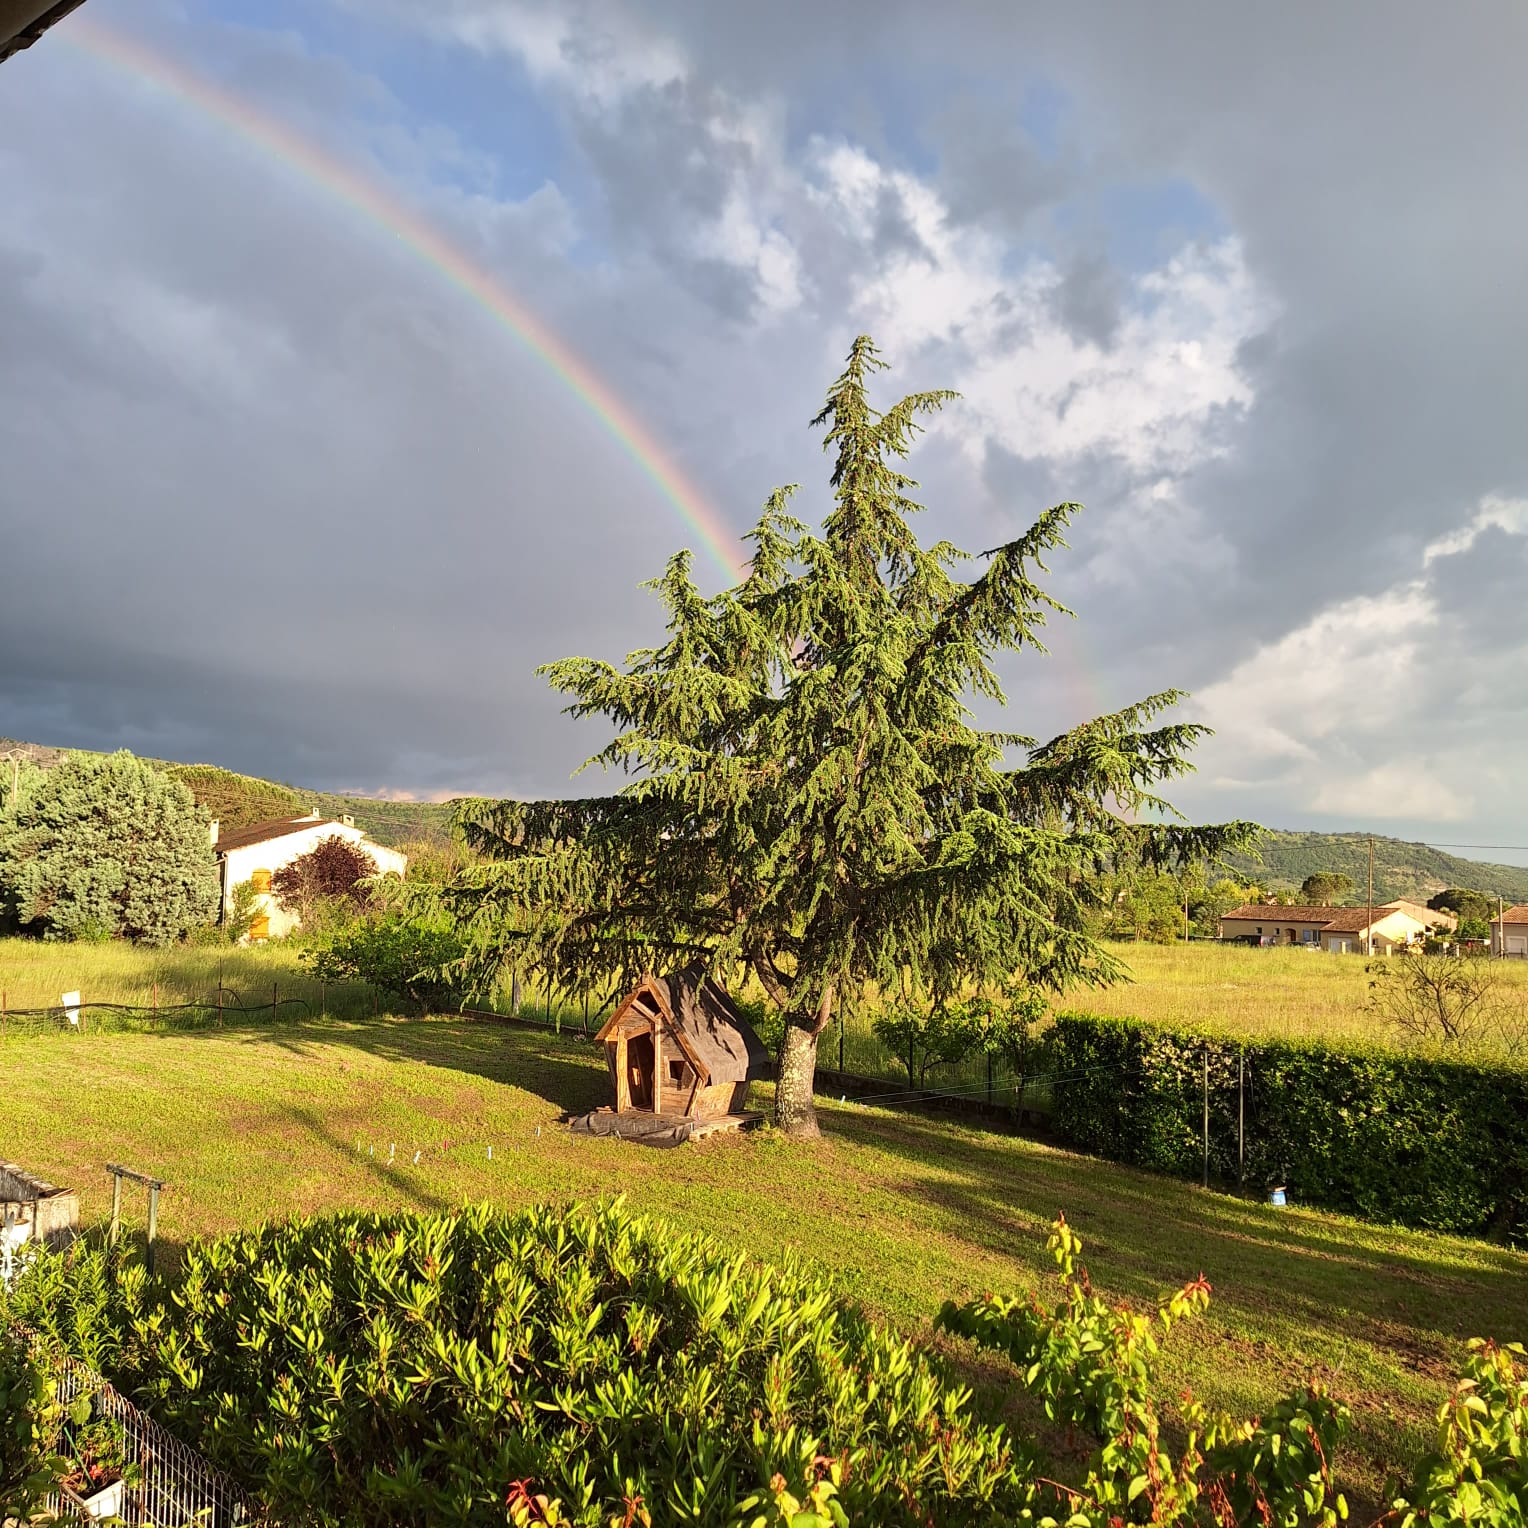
x=565 y=1070
x=1147 y=1233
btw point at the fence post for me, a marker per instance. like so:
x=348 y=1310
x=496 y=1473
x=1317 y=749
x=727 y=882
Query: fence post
x=323 y=998
x=1205 y=1064
x=148 y=1260
x=840 y=1042
x=116 y=1205
x=155 y=991
x=1241 y=1117
x=275 y=1001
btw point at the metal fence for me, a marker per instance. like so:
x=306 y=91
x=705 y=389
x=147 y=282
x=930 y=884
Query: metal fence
x=176 y=1486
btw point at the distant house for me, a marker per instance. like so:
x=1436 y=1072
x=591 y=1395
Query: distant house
x=1433 y=917
x=1343 y=930
x=257 y=852
x=22 y=22
x=1509 y=933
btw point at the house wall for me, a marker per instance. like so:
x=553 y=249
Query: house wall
x=1429 y=917
x=1515 y=946
x=240 y=865
x=1395 y=928
x=1272 y=927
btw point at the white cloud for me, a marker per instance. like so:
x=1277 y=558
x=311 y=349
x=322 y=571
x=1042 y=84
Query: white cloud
x=597 y=52
x=1510 y=515
x=1370 y=709
x=1406 y=790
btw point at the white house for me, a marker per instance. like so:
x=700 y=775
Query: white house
x=257 y=852
x=1343 y=930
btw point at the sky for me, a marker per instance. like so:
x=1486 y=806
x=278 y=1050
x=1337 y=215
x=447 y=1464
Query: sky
x=277 y=493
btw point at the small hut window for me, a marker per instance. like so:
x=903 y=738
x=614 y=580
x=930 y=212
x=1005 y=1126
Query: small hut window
x=260 y=928
x=260 y=880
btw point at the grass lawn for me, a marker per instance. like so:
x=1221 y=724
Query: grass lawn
x=259 y=1122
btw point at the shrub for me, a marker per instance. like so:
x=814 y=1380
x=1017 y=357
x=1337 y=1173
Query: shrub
x=333 y=870
x=413 y=957
x=405 y=1369
x=28 y=1418
x=1479 y=1474
x=1424 y=1141
x=108 y=847
x=1090 y=1365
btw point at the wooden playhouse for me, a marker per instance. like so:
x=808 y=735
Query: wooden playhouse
x=681 y=1057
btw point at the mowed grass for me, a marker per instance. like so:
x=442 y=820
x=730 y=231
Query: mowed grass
x=904 y=1211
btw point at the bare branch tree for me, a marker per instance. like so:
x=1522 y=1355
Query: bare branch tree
x=1455 y=1001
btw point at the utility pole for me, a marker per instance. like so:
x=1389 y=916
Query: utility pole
x=1501 y=926
x=1369 y=929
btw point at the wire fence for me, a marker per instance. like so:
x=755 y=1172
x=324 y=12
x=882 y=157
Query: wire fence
x=223 y=1006
x=172 y=1484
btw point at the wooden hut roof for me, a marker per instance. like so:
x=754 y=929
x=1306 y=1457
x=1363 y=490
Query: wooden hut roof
x=709 y=1023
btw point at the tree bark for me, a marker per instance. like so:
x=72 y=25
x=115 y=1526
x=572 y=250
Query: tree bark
x=795 y=1113
x=514 y=995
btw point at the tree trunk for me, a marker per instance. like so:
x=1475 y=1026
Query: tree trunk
x=794 y=1110
x=514 y=995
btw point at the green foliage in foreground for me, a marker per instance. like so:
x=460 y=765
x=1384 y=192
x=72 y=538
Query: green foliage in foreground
x=28 y=1416
x=108 y=846
x=1416 y=1139
x=399 y=1369
x=589 y=1368
x=1090 y=1364
x=1479 y=1473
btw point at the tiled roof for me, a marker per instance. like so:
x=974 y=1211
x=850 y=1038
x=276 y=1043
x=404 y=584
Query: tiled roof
x=1518 y=914
x=273 y=827
x=1274 y=914
x=1354 y=920
x=1340 y=920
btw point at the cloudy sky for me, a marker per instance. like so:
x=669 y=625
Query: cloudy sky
x=277 y=494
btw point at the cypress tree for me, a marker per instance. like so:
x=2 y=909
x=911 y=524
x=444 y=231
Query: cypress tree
x=811 y=799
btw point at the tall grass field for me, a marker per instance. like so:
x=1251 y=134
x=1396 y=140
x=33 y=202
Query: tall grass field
x=1291 y=993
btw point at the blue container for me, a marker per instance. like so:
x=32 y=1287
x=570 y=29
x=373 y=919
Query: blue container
x=1276 y=1196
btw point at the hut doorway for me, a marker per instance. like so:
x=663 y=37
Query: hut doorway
x=639 y=1070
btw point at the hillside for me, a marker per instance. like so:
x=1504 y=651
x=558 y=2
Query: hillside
x=237 y=800
x=1401 y=869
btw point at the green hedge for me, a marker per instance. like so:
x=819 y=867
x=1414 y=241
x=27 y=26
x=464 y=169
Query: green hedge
x=1417 y=1140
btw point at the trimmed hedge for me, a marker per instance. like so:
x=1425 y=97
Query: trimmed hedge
x=1417 y=1140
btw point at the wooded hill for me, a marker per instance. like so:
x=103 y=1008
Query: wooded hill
x=1401 y=869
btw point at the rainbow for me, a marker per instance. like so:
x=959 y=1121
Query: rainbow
x=386 y=213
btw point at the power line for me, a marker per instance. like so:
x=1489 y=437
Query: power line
x=1514 y=848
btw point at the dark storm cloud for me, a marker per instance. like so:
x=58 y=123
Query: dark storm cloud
x=239 y=433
